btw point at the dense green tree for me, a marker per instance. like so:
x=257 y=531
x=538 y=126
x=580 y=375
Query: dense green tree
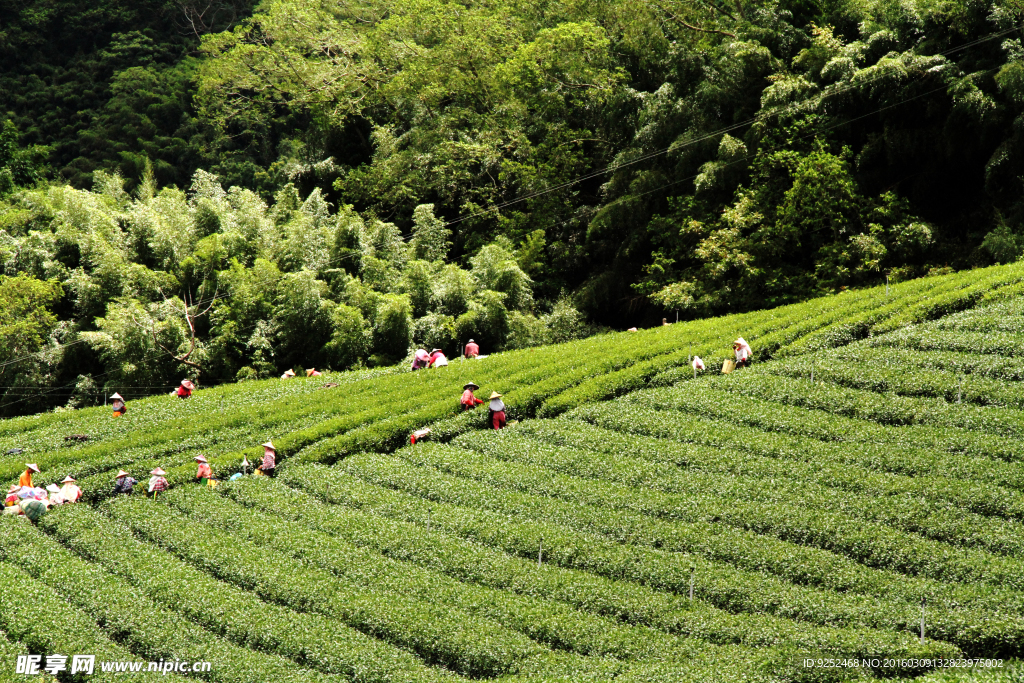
x=340 y=182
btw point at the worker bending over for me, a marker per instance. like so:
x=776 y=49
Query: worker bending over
x=469 y=399
x=55 y=498
x=741 y=349
x=472 y=349
x=124 y=483
x=421 y=359
x=157 y=482
x=496 y=410
x=438 y=359
x=185 y=389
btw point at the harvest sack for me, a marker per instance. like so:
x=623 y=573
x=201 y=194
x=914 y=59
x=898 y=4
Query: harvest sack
x=728 y=366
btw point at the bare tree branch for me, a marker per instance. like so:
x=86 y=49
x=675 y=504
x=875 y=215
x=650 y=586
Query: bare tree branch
x=190 y=318
x=691 y=26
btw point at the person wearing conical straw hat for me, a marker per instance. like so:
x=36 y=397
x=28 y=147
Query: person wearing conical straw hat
x=313 y=372
x=26 y=477
x=204 y=474
x=288 y=374
x=118 y=404
x=69 y=490
x=438 y=359
x=469 y=399
x=741 y=349
x=157 y=482
x=496 y=410
x=124 y=483
x=268 y=466
x=185 y=389
x=55 y=498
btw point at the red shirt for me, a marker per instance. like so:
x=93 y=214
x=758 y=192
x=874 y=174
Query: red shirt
x=204 y=471
x=472 y=350
x=468 y=399
x=183 y=392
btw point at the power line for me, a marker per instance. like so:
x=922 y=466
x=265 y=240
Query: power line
x=721 y=131
x=608 y=169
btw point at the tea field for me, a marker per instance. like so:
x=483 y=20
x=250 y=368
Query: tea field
x=637 y=522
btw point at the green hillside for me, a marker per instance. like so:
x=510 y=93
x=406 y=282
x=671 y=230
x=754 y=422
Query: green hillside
x=809 y=503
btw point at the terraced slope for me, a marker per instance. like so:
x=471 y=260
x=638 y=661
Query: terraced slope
x=637 y=524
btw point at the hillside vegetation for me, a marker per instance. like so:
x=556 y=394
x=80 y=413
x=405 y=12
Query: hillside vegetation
x=638 y=159
x=809 y=515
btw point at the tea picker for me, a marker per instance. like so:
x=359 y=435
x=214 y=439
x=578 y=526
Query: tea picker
x=268 y=465
x=698 y=364
x=438 y=359
x=12 y=496
x=55 y=498
x=185 y=389
x=741 y=350
x=472 y=349
x=123 y=483
x=420 y=359
x=204 y=474
x=157 y=482
x=118 y=404
x=26 y=477
x=70 y=492
x=496 y=410
x=33 y=508
x=469 y=399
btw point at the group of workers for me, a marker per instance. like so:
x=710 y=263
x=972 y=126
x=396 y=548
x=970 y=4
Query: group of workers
x=31 y=501
x=125 y=484
x=120 y=406
x=435 y=358
x=25 y=499
x=496 y=407
x=312 y=372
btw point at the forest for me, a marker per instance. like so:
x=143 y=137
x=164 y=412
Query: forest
x=222 y=190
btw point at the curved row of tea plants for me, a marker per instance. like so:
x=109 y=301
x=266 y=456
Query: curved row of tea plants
x=150 y=631
x=865 y=495
x=591 y=539
x=439 y=633
x=237 y=615
x=376 y=409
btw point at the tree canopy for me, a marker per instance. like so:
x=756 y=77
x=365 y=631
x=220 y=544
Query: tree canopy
x=342 y=180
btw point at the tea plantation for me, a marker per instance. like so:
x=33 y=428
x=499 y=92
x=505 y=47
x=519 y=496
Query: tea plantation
x=862 y=481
